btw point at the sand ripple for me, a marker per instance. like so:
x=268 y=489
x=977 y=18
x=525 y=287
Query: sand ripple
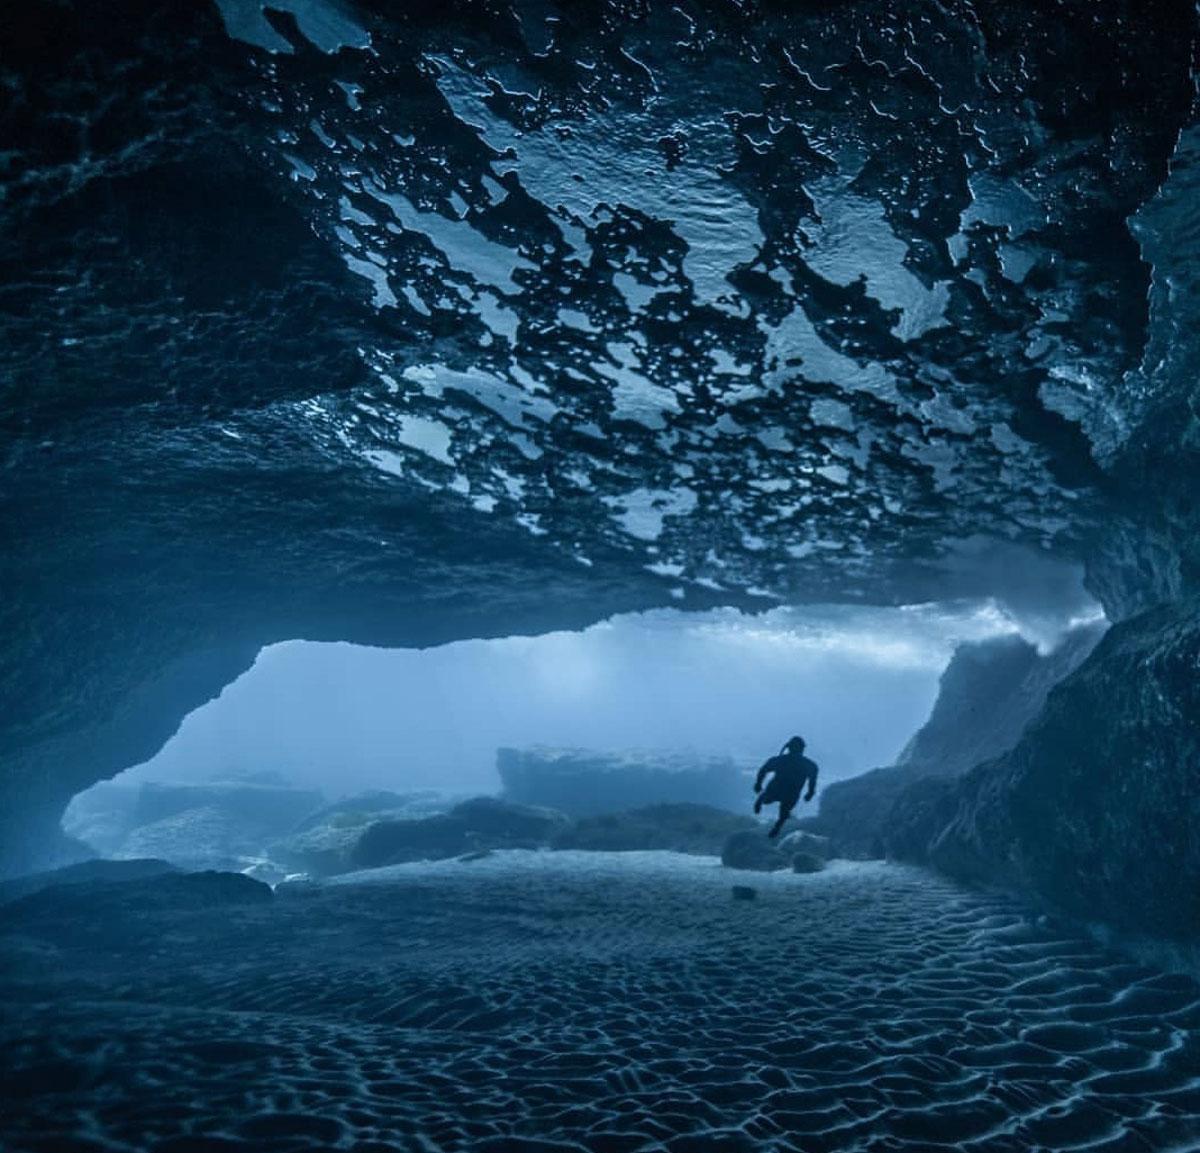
x=558 y=1002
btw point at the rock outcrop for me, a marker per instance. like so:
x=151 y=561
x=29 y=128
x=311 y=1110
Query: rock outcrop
x=583 y=782
x=323 y=843
x=209 y=825
x=1097 y=808
x=90 y=912
x=988 y=694
x=752 y=850
x=83 y=873
x=811 y=844
x=472 y=826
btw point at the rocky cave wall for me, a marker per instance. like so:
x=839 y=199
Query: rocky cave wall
x=1097 y=807
x=987 y=696
x=399 y=326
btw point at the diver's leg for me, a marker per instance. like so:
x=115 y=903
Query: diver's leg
x=785 y=811
x=768 y=796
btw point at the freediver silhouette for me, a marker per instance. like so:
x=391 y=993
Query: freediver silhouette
x=792 y=770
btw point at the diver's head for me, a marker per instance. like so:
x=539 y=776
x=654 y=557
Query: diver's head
x=795 y=745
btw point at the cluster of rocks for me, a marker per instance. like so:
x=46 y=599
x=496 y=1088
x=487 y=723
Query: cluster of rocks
x=483 y=824
x=268 y=830
x=376 y=830
x=218 y=824
x=801 y=851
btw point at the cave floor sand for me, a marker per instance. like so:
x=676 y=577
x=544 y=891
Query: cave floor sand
x=600 y=1002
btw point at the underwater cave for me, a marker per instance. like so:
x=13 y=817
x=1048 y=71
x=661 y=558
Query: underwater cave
x=451 y=451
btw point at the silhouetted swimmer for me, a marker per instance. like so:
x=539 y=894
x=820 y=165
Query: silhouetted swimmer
x=792 y=771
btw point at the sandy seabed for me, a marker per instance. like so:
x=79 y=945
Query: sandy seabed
x=575 y=1001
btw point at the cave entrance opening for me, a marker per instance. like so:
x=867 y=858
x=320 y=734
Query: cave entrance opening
x=315 y=725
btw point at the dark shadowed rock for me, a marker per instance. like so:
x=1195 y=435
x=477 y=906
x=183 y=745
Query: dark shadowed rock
x=1097 y=809
x=754 y=851
x=322 y=844
x=854 y=813
x=506 y=825
x=397 y=842
x=744 y=893
x=86 y=872
x=105 y=900
x=807 y=863
x=480 y=823
x=680 y=828
x=921 y=811
x=987 y=696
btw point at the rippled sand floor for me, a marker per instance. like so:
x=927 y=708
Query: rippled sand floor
x=597 y=1002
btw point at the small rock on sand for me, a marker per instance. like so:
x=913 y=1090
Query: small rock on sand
x=753 y=850
x=810 y=843
x=807 y=863
x=744 y=893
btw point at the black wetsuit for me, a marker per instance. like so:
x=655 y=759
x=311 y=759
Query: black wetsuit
x=792 y=772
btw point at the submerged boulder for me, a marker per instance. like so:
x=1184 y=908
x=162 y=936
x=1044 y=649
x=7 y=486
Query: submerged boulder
x=812 y=844
x=83 y=873
x=807 y=863
x=107 y=902
x=102 y=816
x=474 y=825
x=209 y=837
x=504 y=824
x=217 y=824
x=754 y=851
x=323 y=844
x=397 y=842
x=357 y=809
x=679 y=828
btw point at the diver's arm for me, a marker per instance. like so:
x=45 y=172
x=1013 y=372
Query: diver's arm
x=812 y=783
x=758 y=781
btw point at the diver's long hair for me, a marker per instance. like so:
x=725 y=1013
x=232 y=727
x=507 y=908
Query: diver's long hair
x=790 y=741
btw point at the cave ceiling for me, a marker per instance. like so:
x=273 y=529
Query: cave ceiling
x=398 y=323
x=757 y=299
